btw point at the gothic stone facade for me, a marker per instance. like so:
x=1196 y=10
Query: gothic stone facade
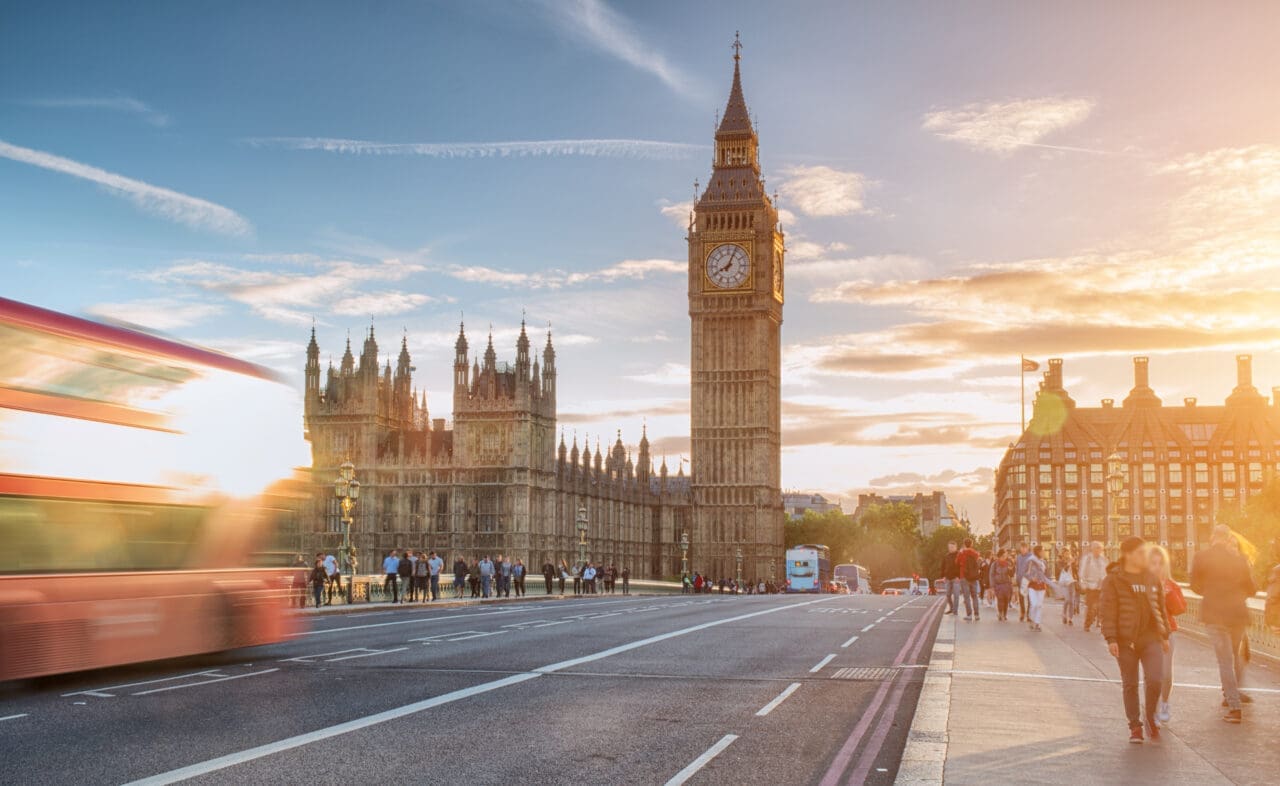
x=495 y=482
x=1182 y=465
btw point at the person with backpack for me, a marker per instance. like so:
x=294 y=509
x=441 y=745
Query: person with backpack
x=1135 y=623
x=1174 y=604
x=1001 y=573
x=970 y=562
x=950 y=571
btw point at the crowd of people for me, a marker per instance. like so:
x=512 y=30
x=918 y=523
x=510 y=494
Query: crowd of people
x=1134 y=603
x=696 y=584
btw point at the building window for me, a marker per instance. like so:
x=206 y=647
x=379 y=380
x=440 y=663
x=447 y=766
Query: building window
x=1071 y=475
x=1229 y=474
x=1095 y=475
x=1046 y=474
x=1175 y=474
x=1255 y=473
x=1148 y=474
x=1202 y=474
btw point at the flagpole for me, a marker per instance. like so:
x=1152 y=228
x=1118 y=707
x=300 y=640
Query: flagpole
x=1022 y=369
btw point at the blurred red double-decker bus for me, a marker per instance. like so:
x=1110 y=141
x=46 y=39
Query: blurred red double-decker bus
x=139 y=477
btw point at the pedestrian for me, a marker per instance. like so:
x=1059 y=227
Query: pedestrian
x=301 y=577
x=405 y=571
x=1224 y=581
x=487 y=571
x=332 y=576
x=984 y=582
x=421 y=574
x=970 y=562
x=564 y=574
x=626 y=581
x=503 y=572
x=1020 y=579
x=1001 y=573
x=1091 y=571
x=435 y=564
x=1037 y=584
x=1174 y=604
x=686 y=584
x=391 y=584
x=1067 y=586
x=459 y=576
x=577 y=578
x=1136 y=626
x=589 y=579
x=950 y=570
x=548 y=574
x=319 y=578
x=517 y=577
x=473 y=577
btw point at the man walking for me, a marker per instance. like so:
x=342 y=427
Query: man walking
x=406 y=575
x=970 y=572
x=626 y=581
x=1224 y=582
x=950 y=571
x=459 y=576
x=504 y=577
x=435 y=564
x=1093 y=569
x=332 y=576
x=390 y=584
x=548 y=574
x=517 y=577
x=1019 y=575
x=1136 y=626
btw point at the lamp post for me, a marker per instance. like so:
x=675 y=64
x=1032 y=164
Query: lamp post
x=1115 y=487
x=684 y=557
x=347 y=489
x=1052 y=515
x=582 y=536
x=738 y=555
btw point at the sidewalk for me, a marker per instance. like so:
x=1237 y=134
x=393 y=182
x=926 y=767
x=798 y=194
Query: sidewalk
x=1004 y=705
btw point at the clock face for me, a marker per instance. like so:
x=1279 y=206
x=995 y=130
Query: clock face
x=728 y=266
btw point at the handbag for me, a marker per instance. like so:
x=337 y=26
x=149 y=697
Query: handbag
x=1038 y=586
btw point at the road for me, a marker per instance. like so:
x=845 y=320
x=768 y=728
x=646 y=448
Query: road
x=646 y=690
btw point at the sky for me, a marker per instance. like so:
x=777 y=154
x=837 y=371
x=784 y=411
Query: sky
x=959 y=183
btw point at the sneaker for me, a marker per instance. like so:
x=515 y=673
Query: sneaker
x=1163 y=713
x=1153 y=731
x=1244 y=699
x=1135 y=735
x=977 y=618
x=1233 y=716
x=968 y=619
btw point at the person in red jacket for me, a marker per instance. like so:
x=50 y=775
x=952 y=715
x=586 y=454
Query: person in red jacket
x=1174 y=604
x=970 y=562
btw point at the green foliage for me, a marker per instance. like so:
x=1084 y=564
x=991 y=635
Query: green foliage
x=935 y=546
x=884 y=540
x=1259 y=523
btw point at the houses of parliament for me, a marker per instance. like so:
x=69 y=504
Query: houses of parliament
x=497 y=479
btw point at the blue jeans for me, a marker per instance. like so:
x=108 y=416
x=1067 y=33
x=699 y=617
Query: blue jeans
x=484 y=586
x=1226 y=641
x=435 y=587
x=954 y=588
x=970 y=589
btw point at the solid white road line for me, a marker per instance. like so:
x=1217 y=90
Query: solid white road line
x=102 y=692
x=880 y=620
x=202 y=682
x=14 y=717
x=366 y=654
x=773 y=705
x=477 y=614
x=822 y=663
x=289 y=743
x=869 y=627
x=702 y=761
x=851 y=640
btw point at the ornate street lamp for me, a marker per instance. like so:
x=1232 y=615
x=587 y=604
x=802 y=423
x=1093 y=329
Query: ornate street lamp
x=738 y=554
x=347 y=489
x=684 y=555
x=582 y=536
x=1115 y=487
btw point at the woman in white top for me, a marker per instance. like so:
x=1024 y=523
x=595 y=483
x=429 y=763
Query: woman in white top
x=1037 y=584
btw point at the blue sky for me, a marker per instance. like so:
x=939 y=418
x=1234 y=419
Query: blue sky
x=960 y=183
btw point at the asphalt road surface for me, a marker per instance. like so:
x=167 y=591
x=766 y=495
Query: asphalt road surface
x=646 y=690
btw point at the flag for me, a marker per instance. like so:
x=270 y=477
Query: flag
x=1029 y=365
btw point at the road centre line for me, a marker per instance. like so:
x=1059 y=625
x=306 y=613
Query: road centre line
x=851 y=640
x=297 y=741
x=702 y=761
x=880 y=620
x=367 y=654
x=205 y=682
x=14 y=717
x=773 y=705
x=869 y=627
x=822 y=663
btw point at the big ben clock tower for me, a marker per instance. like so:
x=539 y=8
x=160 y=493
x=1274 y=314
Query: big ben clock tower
x=735 y=305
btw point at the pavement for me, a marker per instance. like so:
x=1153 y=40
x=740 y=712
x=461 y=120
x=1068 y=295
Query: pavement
x=1002 y=704
x=647 y=690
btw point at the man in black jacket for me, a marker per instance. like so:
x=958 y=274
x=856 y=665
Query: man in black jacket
x=950 y=570
x=1222 y=579
x=1136 y=626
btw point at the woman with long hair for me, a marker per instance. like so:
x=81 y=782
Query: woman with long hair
x=1174 y=604
x=1037 y=585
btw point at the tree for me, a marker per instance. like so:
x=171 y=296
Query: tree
x=886 y=540
x=1258 y=522
x=935 y=546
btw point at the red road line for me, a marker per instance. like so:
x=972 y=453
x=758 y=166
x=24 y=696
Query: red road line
x=841 y=761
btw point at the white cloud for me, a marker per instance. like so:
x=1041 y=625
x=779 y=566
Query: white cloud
x=860 y=269
x=666 y=374
x=677 y=212
x=115 y=104
x=595 y=23
x=184 y=209
x=545 y=148
x=1003 y=127
x=823 y=191
x=804 y=250
x=627 y=269
x=157 y=313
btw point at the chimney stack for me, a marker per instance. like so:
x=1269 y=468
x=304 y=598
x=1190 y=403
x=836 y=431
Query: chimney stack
x=1108 y=403
x=1140 y=377
x=1244 y=371
x=1053 y=377
x=1190 y=401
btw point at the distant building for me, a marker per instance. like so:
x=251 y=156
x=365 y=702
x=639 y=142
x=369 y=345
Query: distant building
x=931 y=508
x=797 y=504
x=1179 y=466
